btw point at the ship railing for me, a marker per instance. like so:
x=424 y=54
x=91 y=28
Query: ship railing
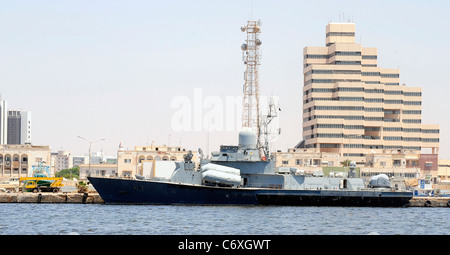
x=265 y=186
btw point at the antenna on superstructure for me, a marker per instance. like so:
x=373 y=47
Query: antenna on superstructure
x=266 y=121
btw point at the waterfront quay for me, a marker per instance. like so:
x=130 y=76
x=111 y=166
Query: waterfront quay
x=77 y=198
x=94 y=198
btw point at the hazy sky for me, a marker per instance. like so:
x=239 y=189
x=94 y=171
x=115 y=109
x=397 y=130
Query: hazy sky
x=115 y=69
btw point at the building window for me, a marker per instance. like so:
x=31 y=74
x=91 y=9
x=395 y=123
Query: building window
x=374 y=100
x=391 y=111
x=369 y=57
x=351 y=98
x=430 y=140
x=393 y=92
x=373 y=118
x=350 y=89
x=393 y=129
x=412 y=130
x=322 y=81
x=340 y=108
x=393 y=101
x=316 y=56
x=412 y=112
x=347 y=62
x=416 y=94
x=411 y=121
x=370 y=73
x=341 y=34
x=435 y=131
x=412 y=102
x=329 y=135
x=330 y=125
x=390 y=75
x=353 y=145
x=411 y=139
x=285 y=162
x=347 y=53
x=127 y=160
x=374 y=90
x=392 y=138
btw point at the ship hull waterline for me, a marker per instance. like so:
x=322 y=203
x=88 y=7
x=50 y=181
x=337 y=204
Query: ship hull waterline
x=128 y=191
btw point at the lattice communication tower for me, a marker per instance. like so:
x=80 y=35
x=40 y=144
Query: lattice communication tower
x=251 y=57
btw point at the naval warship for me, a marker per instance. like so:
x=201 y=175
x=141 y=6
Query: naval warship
x=241 y=175
x=246 y=174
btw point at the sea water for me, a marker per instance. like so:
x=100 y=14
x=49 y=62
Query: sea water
x=101 y=219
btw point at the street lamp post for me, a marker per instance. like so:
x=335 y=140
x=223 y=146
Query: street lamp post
x=90 y=144
x=350 y=136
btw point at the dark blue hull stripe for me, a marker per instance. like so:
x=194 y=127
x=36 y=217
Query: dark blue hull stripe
x=123 y=191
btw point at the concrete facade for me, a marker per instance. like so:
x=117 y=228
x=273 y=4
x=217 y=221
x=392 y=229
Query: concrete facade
x=79 y=160
x=103 y=170
x=62 y=160
x=130 y=162
x=17 y=160
x=444 y=170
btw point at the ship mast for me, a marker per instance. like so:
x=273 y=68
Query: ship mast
x=251 y=57
x=266 y=120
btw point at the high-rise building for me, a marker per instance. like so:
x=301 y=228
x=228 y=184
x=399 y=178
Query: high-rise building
x=19 y=127
x=353 y=107
x=3 y=121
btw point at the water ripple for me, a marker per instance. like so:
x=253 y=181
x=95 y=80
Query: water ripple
x=80 y=219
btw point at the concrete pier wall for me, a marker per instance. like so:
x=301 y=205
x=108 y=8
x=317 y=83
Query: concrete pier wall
x=80 y=198
x=94 y=198
x=430 y=202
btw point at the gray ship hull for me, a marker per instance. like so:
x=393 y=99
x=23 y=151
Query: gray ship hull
x=129 y=191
